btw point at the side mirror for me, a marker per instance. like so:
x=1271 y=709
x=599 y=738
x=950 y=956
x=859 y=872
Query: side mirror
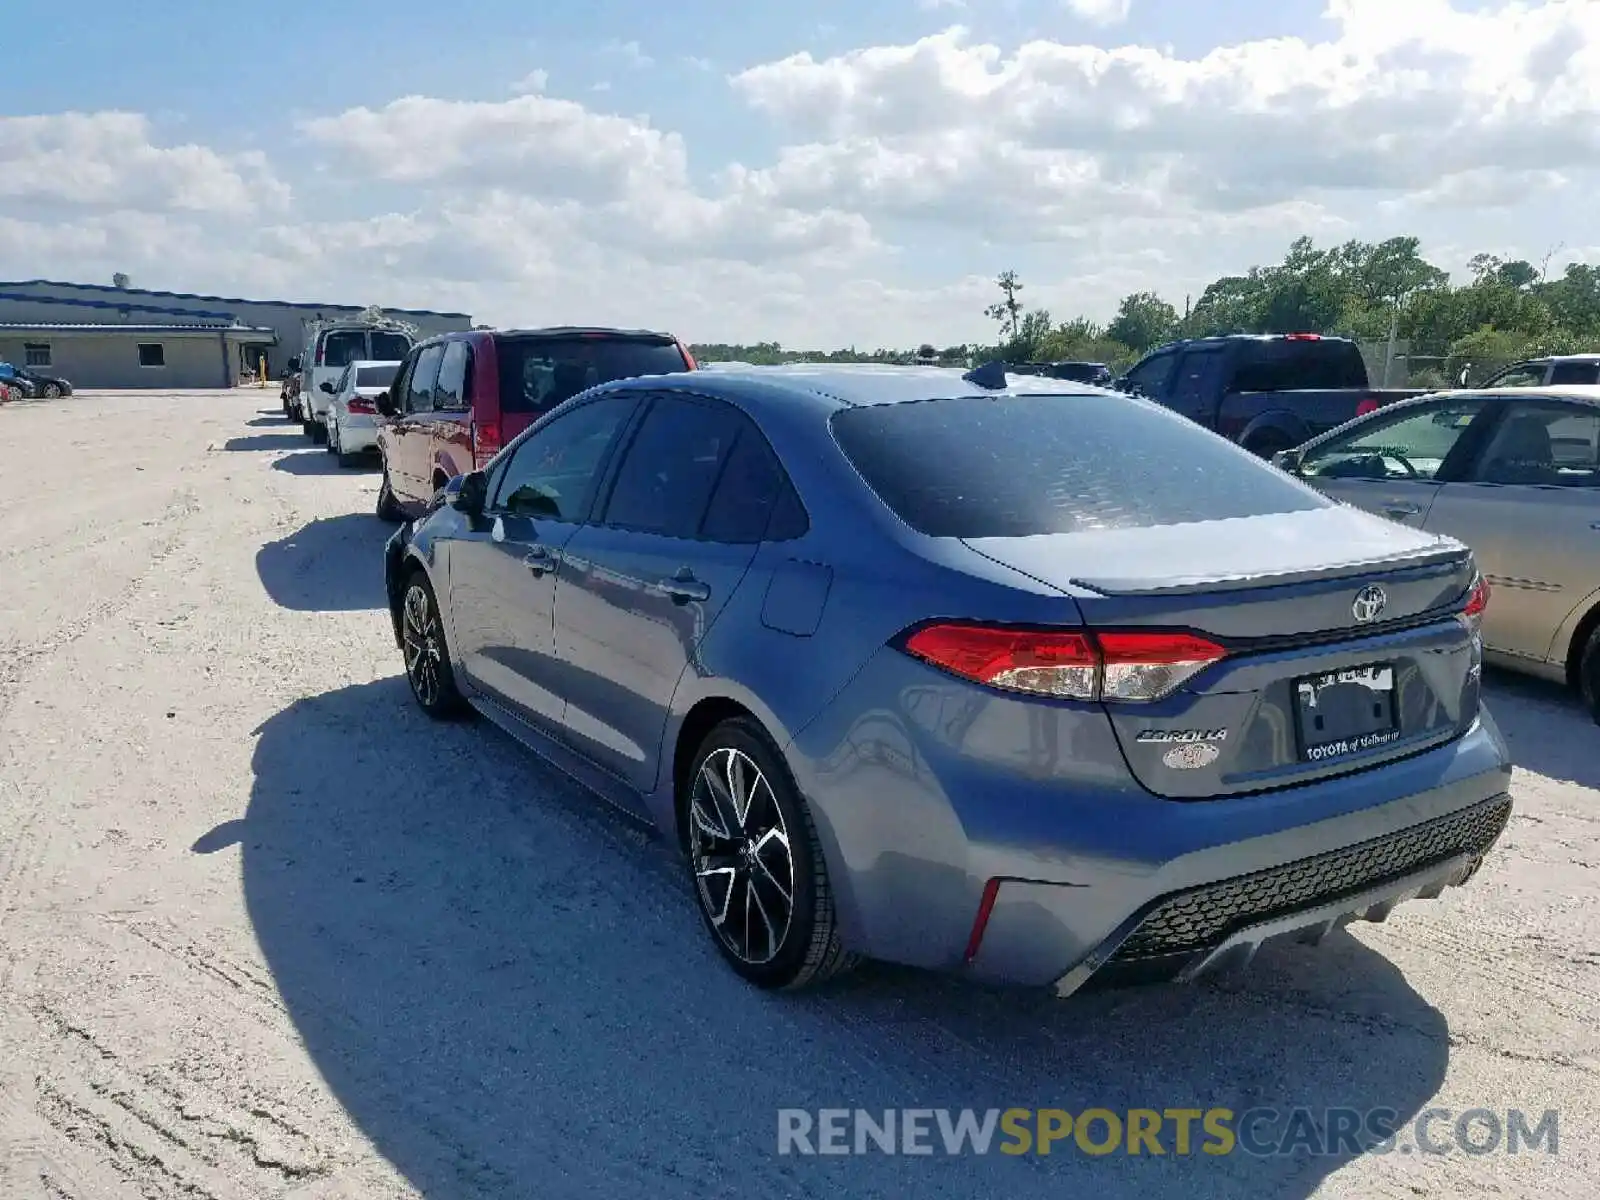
x=1287 y=460
x=294 y=363
x=327 y=387
x=384 y=403
x=468 y=493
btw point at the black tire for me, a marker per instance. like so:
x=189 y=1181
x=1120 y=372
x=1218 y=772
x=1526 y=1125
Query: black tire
x=388 y=507
x=1267 y=443
x=318 y=432
x=347 y=460
x=424 y=652
x=722 y=851
x=1589 y=675
x=51 y=391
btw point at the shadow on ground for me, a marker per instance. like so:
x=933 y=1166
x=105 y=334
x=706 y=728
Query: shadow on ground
x=271 y=420
x=508 y=989
x=319 y=462
x=1546 y=726
x=332 y=564
x=287 y=440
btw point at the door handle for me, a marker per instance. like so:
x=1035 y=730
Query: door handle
x=1398 y=508
x=684 y=587
x=539 y=560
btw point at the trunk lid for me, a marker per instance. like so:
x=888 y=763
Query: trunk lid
x=1322 y=676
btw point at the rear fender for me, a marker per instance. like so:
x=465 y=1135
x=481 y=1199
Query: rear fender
x=396 y=557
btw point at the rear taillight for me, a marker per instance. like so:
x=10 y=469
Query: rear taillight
x=688 y=359
x=363 y=405
x=1302 y=337
x=1129 y=665
x=1368 y=405
x=485 y=441
x=1477 y=603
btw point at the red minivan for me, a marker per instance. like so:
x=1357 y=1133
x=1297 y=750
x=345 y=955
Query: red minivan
x=459 y=397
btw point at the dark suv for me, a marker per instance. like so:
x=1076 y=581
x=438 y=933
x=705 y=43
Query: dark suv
x=459 y=397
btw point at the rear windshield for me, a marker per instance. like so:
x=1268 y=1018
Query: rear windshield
x=1284 y=366
x=1015 y=466
x=1575 y=372
x=343 y=347
x=376 y=376
x=386 y=346
x=538 y=373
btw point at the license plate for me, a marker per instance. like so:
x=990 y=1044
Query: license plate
x=1345 y=712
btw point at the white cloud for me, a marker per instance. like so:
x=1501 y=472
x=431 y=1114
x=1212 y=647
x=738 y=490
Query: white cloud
x=629 y=52
x=108 y=160
x=1100 y=12
x=898 y=181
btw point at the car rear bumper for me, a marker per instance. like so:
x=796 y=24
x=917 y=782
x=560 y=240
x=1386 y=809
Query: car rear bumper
x=357 y=433
x=1095 y=879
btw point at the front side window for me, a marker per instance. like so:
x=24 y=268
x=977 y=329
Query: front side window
x=554 y=471
x=1152 y=374
x=1547 y=444
x=1524 y=375
x=1412 y=444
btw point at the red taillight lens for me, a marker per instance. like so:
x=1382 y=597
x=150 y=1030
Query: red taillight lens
x=485 y=441
x=1477 y=602
x=1368 y=405
x=991 y=891
x=1122 y=666
x=1302 y=337
x=363 y=405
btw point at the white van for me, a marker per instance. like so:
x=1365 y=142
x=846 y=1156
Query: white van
x=331 y=347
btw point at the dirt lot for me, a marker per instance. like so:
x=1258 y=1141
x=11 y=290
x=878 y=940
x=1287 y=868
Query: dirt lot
x=265 y=931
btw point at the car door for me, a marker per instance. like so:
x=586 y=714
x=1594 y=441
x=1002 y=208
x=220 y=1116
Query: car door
x=447 y=428
x=1529 y=506
x=503 y=571
x=643 y=582
x=411 y=470
x=1394 y=462
x=1197 y=385
x=1150 y=377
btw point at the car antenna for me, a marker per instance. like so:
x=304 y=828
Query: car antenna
x=990 y=376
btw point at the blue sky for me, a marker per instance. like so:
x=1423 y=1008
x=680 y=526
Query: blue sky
x=869 y=198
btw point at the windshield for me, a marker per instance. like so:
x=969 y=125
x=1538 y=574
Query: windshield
x=377 y=377
x=1015 y=466
x=537 y=373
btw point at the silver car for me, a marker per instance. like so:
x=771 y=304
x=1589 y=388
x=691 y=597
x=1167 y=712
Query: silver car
x=1515 y=474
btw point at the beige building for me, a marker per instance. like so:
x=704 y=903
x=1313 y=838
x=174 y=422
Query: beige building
x=137 y=356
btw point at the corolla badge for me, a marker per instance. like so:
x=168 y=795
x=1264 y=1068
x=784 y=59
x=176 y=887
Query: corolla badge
x=1369 y=603
x=1191 y=756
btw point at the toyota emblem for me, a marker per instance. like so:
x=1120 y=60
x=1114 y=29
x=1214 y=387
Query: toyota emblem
x=1369 y=603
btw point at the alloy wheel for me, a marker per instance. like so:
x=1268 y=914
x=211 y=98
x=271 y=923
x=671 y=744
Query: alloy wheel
x=742 y=859
x=424 y=648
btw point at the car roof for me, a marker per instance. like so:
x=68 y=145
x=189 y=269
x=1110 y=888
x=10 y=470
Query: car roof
x=852 y=385
x=1587 y=392
x=595 y=331
x=375 y=362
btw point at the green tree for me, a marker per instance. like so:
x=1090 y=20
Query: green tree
x=1008 y=309
x=1144 y=320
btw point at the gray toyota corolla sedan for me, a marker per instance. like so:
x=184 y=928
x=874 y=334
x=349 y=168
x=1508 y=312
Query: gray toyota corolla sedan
x=1007 y=676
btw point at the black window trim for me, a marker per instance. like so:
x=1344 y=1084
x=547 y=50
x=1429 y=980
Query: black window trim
x=659 y=394
x=608 y=460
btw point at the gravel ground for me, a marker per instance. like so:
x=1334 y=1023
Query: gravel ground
x=265 y=931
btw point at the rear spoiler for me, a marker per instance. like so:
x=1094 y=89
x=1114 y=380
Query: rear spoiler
x=1408 y=563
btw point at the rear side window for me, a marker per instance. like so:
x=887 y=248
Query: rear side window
x=343 y=347
x=376 y=376
x=665 y=482
x=538 y=373
x=1016 y=466
x=1286 y=366
x=389 y=345
x=1585 y=373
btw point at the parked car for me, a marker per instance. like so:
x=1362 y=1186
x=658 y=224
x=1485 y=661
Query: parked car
x=18 y=387
x=1268 y=392
x=1558 y=370
x=352 y=418
x=459 y=397
x=332 y=346
x=32 y=382
x=1101 y=695
x=1515 y=475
